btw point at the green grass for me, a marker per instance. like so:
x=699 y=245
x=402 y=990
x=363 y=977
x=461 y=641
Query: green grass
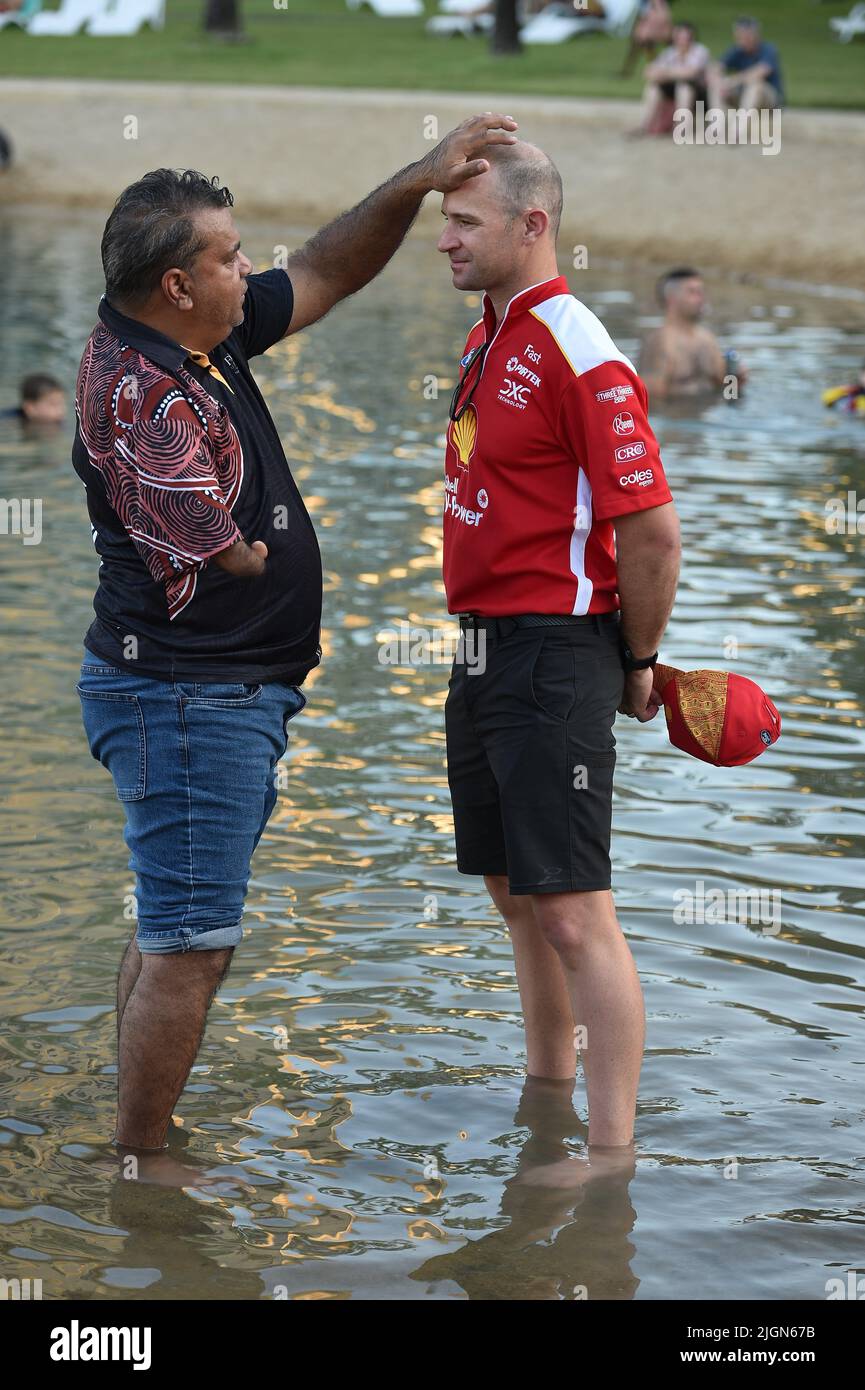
x=321 y=43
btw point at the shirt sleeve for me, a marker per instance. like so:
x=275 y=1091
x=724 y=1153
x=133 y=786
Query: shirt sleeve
x=769 y=54
x=173 y=493
x=603 y=421
x=267 y=311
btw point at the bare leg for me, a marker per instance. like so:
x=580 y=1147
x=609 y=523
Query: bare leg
x=717 y=92
x=630 y=58
x=607 y=1002
x=128 y=974
x=549 y=1021
x=685 y=96
x=160 y=1033
x=757 y=96
x=652 y=98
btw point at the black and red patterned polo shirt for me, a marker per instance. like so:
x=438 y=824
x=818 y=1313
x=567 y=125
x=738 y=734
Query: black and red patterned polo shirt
x=180 y=460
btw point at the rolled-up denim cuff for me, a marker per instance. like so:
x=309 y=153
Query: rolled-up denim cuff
x=158 y=943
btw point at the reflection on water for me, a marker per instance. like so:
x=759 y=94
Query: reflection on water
x=361 y=1091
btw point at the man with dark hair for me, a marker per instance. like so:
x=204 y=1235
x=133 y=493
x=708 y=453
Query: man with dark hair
x=748 y=75
x=42 y=402
x=675 y=80
x=683 y=357
x=209 y=597
x=557 y=516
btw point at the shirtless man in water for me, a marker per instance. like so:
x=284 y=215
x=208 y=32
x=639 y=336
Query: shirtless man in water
x=683 y=357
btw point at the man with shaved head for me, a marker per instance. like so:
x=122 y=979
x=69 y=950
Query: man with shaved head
x=561 y=553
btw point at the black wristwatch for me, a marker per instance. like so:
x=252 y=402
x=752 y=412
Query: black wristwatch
x=633 y=663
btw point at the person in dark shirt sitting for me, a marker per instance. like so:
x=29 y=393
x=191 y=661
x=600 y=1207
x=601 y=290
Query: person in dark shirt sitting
x=748 y=75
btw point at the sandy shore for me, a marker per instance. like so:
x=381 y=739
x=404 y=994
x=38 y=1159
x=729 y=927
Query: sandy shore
x=304 y=154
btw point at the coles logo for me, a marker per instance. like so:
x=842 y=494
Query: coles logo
x=623 y=423
x=644 y=476
x=628 y=452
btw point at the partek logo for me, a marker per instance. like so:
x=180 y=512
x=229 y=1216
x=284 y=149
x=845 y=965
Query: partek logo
x=628 y=452
x=643 y=476
x=623 y=423
x=512 y=393
x=617 y=394
x=519 y=369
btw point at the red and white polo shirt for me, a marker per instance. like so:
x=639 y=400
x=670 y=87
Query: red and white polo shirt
x=554 y=445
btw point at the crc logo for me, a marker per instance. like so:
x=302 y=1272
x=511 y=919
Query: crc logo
x=623 y=423
x=514 y=393
x=628 y=452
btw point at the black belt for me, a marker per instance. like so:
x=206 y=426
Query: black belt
x=503 y=627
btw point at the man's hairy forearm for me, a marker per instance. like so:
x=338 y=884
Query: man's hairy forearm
x=351 y=250
x=648 y=574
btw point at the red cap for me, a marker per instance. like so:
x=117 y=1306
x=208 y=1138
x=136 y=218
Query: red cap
x=717 y=716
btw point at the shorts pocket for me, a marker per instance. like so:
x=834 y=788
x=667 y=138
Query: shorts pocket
x=553 y=680
x=294 y=706
x=114 y=725
x=218 y=694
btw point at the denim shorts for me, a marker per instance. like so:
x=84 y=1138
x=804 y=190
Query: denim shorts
x=194 y=764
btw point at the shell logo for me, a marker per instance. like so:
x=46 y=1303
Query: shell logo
x=464 y=434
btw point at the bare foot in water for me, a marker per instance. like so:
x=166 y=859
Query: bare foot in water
x=576 y=1172
x=161 y=1168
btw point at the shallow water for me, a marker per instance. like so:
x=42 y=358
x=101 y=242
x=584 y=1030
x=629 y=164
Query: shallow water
x=361 y=1085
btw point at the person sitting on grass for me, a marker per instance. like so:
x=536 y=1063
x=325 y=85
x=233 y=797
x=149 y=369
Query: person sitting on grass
x=748 y=75
x=675 y=80
x=652 y=27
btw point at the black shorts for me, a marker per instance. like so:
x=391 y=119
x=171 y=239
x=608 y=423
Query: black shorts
x=668 y=89
x=531 y=755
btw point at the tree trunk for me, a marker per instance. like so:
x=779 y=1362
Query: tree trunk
x=506 y=31
x=222 y=17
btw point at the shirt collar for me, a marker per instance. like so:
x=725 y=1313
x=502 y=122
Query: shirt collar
x=521 y=303
x=155 y=346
